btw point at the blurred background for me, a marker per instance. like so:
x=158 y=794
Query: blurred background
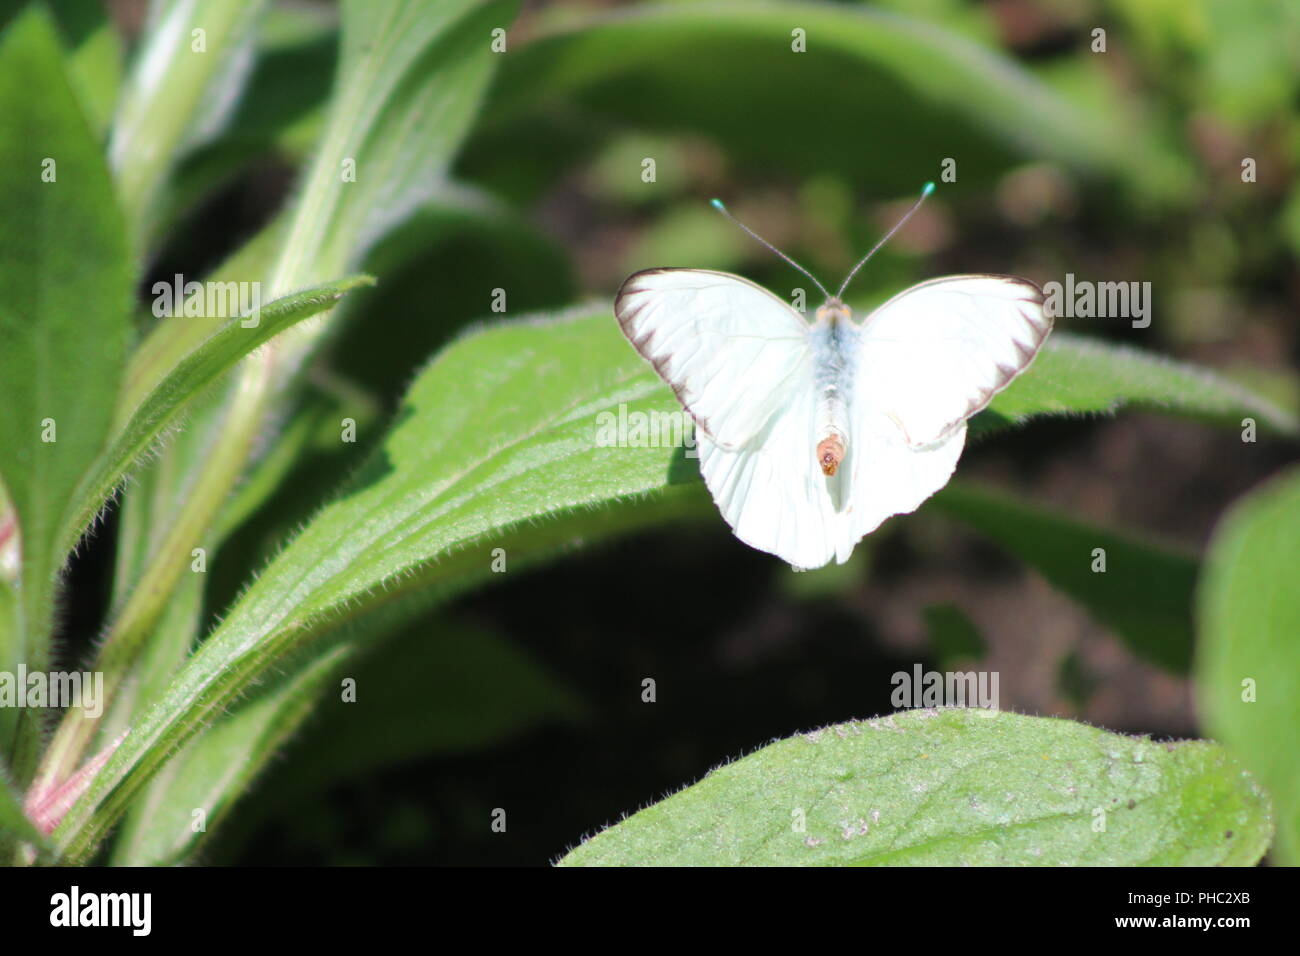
x=1122 y=165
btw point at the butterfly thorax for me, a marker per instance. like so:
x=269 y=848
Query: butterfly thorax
x=833 y=339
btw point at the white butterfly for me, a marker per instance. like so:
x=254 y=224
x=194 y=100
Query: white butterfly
x=811 y=435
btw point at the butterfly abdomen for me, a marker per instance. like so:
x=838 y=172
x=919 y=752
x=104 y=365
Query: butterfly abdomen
x=830 y=452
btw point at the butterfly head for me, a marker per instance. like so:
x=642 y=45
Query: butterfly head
x=832 y=312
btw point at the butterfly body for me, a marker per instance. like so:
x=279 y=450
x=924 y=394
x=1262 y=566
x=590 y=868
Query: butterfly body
x=832 y=341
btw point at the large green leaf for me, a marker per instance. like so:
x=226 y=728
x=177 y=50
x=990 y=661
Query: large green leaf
x=954 y=787
x=893 y=97
x=1248 y=655
x=496 y=435
x=65 y=290
x=1074 y=375
x=1144 y=593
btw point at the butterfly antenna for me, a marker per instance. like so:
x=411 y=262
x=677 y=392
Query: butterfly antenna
x=717 y=204
x=929 y=188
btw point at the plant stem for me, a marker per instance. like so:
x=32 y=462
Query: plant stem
x=173 y=74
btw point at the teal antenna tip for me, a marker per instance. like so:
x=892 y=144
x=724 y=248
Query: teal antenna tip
x=717 y=204
x=929 y=188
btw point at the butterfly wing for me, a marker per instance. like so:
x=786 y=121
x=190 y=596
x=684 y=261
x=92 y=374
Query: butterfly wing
x=771 y=491
x=740 y=362
x=929 y=359
x=889 y=477
x=937 y=353
x=729 y=348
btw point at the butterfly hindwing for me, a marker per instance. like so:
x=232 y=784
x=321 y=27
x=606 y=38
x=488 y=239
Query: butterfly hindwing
x=889 y=477
x=771 y=491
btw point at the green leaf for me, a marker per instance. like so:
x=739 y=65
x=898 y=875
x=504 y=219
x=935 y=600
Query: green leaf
x=410 y=80
x=728 y=71
x=1076 y=375
x=152 y=396
x=497 y=434
x=460 y=232
x=1144 y=594
x=172 y=94
x=168 y=343
x=281 y=111
x=498 y=431
x=94 y=52
x=381 y=116
x=1248 y=655
x=412 y=74
x=406 y=99
x=213 y=769
x=65 y=290
x=411 y=77
x=954 y=787
x=151 y=399
x=404 y=95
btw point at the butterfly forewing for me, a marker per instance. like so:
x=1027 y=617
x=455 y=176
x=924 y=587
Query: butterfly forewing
x=937 y=353
x=730 y=349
